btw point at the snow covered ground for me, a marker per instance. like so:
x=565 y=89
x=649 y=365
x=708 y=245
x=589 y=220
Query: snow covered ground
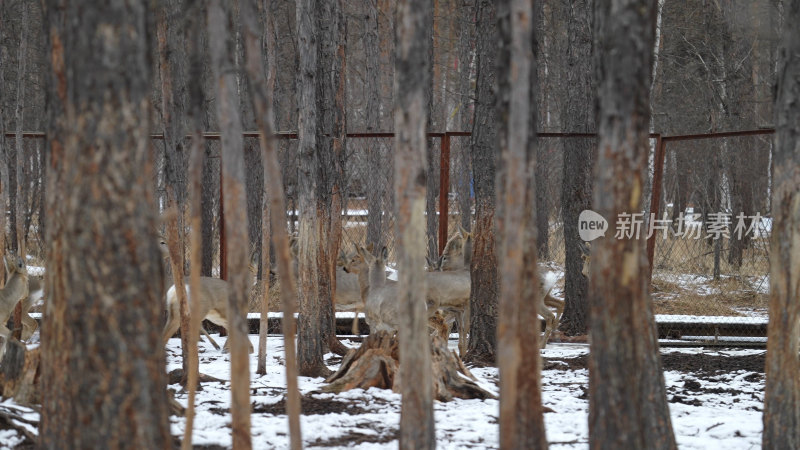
x=715 y=399
x=709 y=409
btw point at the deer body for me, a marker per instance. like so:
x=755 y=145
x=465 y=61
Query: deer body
x=15 y=290
x=381 y=309
x=213 y=301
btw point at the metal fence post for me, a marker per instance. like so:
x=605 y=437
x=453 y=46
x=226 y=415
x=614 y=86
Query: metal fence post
x=655 y=197
x=444 y=190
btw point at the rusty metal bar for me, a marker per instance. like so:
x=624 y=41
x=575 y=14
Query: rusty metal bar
x=444 y=190
x=215 y=135
x=655 y=196
x=723 y=134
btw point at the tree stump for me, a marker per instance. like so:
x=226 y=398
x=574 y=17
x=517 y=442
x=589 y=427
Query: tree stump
x=19 y=370
x=375 y=364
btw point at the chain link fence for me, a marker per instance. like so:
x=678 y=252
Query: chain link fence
x=711 y=261
x=711 y=254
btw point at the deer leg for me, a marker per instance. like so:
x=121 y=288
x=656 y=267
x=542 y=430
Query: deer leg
x=173 y=321
x=208 y=336
x=29 y=326
x=463 y=330
x=550 y=320
x=355 y=321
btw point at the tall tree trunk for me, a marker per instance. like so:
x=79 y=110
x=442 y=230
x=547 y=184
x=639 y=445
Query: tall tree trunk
x=627 y=398
x=3 y=143
x=331 y=139
x=209 y=194
x=375 y=193
x=579 y=156
x=412 y=69
x=386 y=27
x=220 y=19
x=521 y=415
x=262 y=99
x=172 y=68
x=782 y=389
x=103 y=373
x=462 y=173
x=313 y=275
x=262 y=80
x=20 y=203
x=196 y=104
x=482 y=346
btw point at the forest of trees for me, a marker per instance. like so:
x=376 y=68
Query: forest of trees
x=201 y=121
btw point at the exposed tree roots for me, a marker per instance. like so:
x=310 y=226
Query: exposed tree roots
x=375 y=364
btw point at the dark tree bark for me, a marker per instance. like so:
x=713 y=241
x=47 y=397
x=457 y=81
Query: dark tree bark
x=482 y=346
x=462 y=172
x=222 y=48
x=331 y=139
x=3 y=143
x=521 y=414
x=172 y=68
x=19 y=204
x=372 y=73
x=413 y=76
x=627 y=398
x=262 y=100
x=579 y=156
x=313 y=276
x=210 y=192
x=782 y=389
x=103 y=372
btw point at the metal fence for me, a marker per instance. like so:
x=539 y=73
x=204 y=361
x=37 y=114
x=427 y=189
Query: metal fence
x=710 y=246
x=701 y=286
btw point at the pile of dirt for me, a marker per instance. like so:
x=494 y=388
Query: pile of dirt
x=310 y=406
x=699 y=364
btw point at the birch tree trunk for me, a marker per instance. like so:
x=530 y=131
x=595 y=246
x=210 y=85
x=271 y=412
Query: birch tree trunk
x=782 y=389
x=627 y=398
x=220 y=20
x=103 y=373
x=412 y=69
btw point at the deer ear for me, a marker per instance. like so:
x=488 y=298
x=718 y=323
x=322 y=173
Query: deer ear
x=384 y=253
x=370 y=247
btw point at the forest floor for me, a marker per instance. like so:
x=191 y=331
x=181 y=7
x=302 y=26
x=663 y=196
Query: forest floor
x=715 y=398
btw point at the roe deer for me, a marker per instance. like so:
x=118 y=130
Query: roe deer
x=15 y=290
x=352 y=285
x=456 y=257
x=213 y=300
x=448 y=286
x=381 y=310
x=35 y=293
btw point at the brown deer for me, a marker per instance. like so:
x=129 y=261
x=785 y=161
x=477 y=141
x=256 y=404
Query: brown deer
x=456 y=257
x=381 y=309
x=15 y=289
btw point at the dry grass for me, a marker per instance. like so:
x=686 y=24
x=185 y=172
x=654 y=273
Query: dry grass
x=697 y=256
x=726 y=297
